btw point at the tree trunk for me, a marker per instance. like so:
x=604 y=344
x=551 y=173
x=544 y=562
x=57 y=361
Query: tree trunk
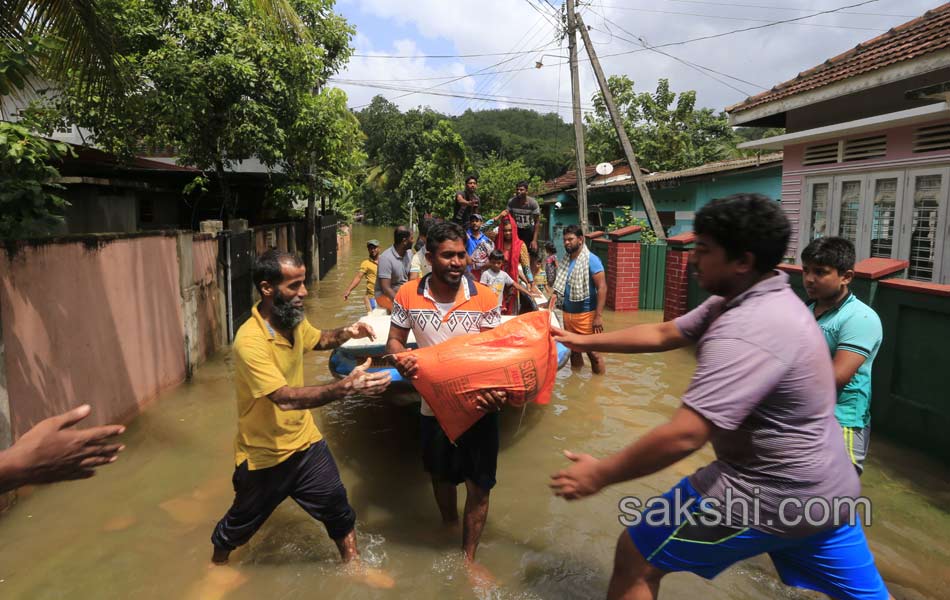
x=227 y=205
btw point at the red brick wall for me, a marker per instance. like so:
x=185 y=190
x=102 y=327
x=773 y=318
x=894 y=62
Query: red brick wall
x=677 y=283
x=623 y=276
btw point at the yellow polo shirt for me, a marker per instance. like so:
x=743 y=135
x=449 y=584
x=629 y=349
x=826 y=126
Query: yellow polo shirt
x=264 y=362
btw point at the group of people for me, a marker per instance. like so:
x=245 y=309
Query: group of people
x=788 y=420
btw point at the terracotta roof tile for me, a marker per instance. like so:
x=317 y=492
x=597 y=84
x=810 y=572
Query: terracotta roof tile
x=924 y=35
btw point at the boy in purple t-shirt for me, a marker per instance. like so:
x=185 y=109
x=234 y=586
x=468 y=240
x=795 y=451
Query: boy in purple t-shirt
x=763 y=394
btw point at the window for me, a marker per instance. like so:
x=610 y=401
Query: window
x=818 y=215
x=889 y=214
x=884 y=217
x=923 y=236
x=849 y=207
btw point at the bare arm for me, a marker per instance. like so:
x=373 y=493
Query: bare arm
x=846 y=364
x=334 y=338
x=360 y=382
x=387 y=288
x=652 y=337
x=353 y=284
x=686 y=433
x=600 y=282
x=462 y=200
x=396 y=344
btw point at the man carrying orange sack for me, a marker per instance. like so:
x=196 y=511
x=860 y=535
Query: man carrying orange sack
x=442 y=305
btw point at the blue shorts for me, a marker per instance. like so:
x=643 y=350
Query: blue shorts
x=372 y=302
x=836 y=562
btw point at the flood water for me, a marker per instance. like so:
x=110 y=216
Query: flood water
x=140 y=529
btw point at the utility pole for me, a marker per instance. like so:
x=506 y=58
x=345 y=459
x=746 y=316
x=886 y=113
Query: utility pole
x=578 y=124
x=618 y=126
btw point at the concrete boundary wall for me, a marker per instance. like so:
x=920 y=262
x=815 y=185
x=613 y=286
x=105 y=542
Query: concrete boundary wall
x=109 y=320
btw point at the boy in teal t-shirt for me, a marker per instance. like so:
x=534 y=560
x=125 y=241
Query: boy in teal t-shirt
x=853 y=332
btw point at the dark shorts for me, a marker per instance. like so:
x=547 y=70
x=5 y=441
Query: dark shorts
x=473 y=457
x=526 y=235
x=310 y=477
x=836 y=562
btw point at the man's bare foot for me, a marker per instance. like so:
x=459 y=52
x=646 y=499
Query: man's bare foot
x=220 y=556
x=374 y=578
x=479 y=576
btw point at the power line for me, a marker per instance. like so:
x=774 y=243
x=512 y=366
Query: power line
x=544 y=13
x=702 y=69
x=484 y=54
x=724 y=18
x=541 y=102
x=488 y=85
x=769 y=7
x=664 y=45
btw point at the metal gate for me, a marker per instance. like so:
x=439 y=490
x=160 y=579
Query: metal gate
x=326 y=234
x=238 y=249
x=652 y=276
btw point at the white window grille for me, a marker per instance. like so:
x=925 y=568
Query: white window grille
x=884 y=217
x=923 y=240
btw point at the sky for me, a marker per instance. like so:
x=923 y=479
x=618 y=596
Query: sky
x=397 y=43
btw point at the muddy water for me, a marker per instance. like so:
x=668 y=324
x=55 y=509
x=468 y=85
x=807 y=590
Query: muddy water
x=141 y=528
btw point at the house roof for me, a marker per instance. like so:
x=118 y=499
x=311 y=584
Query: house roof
x=721 y=166
x=92 y=158
x=924 y=35
x=569 y=179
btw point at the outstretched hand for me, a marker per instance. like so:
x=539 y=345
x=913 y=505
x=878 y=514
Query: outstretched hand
x=362 y=382
x=579 y=480
x=53 y=451
x=361 y=329
x=573 y=341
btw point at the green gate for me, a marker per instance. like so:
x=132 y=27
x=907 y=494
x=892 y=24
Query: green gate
x=652 y=275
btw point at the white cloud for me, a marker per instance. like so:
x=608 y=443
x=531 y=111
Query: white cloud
x=765 y=56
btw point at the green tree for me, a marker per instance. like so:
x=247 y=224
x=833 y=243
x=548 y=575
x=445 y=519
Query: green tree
x=666 y=130
x=497 y=179
x=220 y=87
x=28 y=203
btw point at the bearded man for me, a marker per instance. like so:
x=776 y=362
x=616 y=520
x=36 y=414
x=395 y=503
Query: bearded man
x=279 y=452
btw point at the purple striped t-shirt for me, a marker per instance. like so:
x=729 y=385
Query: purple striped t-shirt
x=764 y=378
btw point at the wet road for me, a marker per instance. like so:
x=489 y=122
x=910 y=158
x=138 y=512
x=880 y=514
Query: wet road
x=141 y=528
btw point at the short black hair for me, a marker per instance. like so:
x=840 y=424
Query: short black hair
x=400 y=234
x=550 y=247
x=746 y=223
x=267 y=267
x=522 y=183
x=441 y=232
x=425 y=225
x=834 y=252
x=573 y=230
x=496 y=255
x=470 y=178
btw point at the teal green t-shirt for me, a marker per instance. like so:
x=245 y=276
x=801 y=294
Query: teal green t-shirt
x=855 y=327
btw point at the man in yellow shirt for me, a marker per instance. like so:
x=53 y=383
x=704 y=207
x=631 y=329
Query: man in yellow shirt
x=368 y=269
x=279 y=452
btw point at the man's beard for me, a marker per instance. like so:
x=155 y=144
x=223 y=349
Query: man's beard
x=445 y=277
x=285 y=314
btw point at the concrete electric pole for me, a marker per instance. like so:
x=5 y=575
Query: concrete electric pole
x=618 y=126
x=578 y=123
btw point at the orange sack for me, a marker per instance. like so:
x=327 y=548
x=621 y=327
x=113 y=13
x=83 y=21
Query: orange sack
x=519 y=356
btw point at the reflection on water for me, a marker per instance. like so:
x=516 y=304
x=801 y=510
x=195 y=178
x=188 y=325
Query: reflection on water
x=141 y=528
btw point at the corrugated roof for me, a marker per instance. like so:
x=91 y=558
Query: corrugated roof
x=721 y=166
x=569 y=179
x=924 y=35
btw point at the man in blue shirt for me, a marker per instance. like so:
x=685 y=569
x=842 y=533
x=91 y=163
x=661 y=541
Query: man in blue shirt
x=582 y=285
x=853 y=332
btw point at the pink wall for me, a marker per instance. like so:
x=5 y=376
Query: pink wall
x=900 y=155
x=97 y=324
x=205 y=265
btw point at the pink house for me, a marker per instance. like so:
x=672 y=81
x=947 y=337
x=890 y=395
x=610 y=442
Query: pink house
x=867 y=146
